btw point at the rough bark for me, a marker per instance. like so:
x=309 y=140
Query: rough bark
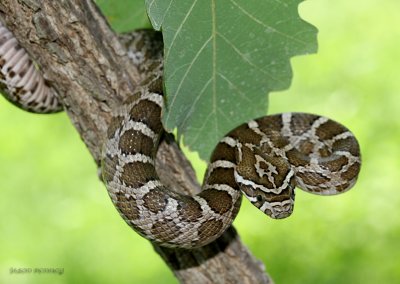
x=84 y=61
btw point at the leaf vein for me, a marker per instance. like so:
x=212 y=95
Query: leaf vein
x=179 y=29
x=185 y=75
x=248 y=14
x=246 y=60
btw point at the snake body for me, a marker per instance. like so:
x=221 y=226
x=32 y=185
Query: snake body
x=264 y=159
x=20 y=82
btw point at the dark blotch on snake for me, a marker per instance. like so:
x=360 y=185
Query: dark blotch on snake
x=342 y=187
x=276 y=138
x=134 y=141
x=282 y=170
x=189 y=209
x=210 y=228
x=336 y=164
x=312 y=178
x=351 y=172
x=284 y=195
x=149 y=113
x=114 y=125
x=223 y=176
x=166 y=230
x=219 y=201
x=267 y=123
x=223 y=152
x=156 y=200
x=328 y=130
x=297 y=159
x=301 y=124
x=246 y=135
x=153 y=83
x=136 y=174
x=347 y=144
x=306 y=147
x=324 y=151
x=126 y=206
x=111 y=168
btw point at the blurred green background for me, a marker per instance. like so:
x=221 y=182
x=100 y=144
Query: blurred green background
x=55 y=212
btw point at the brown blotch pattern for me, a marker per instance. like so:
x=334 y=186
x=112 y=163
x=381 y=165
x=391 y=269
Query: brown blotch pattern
x=245 y=135
x=153 y=83
x=189 y=209
x=210 y=228
x=273 y=197
x=306 y=147
x=133 y=141
x=329 y=129
x=351 y=172
x=302 y=123
x=126 y=205
x=312 y=178
x=165 y=230
x=282 y=168
x=219 y=201
x=267 y=123
x=337 y=164
x=296 y=158
x=324 y=151
x=236 y=206
x=223 y=152
x=109 y=168
x=149 y=113
x=114 y=125
x=156 y=200
x=277 y=139
x=343 y=187
x=348 y=144
x=222 y=176
x=246 y=167
x=137 y=174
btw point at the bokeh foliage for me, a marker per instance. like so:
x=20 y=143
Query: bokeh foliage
x=55 y=212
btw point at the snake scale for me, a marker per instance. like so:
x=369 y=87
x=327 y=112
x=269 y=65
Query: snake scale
x=264 y=159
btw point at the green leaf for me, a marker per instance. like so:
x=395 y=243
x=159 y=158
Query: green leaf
x=158 y=10
x=222 y=58
x=124 y=15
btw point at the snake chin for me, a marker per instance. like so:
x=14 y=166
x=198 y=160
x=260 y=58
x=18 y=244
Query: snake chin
x=280 y=215
x=278 y=211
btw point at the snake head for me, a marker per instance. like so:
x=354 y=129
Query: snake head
x=267 y=180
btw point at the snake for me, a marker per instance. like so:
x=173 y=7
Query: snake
x=264 y=159
x=20 y=80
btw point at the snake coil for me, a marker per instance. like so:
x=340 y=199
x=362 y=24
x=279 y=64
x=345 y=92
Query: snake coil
x=264 y=159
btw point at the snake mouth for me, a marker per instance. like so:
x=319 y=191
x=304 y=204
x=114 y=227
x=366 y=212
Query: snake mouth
x=280 y=210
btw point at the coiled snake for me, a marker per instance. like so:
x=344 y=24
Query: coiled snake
x=265 y=159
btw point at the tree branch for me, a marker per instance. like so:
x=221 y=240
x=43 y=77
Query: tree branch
x=83 y=60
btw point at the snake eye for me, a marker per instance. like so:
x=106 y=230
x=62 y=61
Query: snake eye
x=259 y=198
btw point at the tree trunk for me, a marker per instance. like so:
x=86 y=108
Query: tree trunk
x=86 y=64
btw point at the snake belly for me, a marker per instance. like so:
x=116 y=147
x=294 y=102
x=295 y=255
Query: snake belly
x=20 y=81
